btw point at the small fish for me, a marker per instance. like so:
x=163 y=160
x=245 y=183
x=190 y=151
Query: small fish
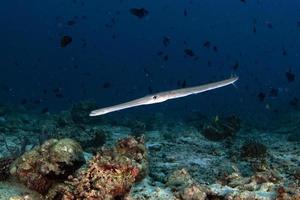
x=160 y=53
x=269 y=24
x=139 y=12
x=189 y=52
x=284 y=52
x=71 y=22
x=185 y=12
x=209 y=63
x=215 y=49
x=65 y=41
x=166 y=41
x=290 y=76
x=206 y=44
x=106 y=85
x=261 y=96
x=166 y=58
x=254 y=29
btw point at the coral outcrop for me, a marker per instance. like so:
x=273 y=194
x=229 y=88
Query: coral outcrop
x=109 y=175
x=39 y=168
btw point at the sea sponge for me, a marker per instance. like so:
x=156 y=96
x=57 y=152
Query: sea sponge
x=39 y=168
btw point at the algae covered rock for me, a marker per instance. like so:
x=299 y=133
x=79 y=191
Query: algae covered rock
x=220 y=129
x=39 y=168
x=134 y=148
x=253 y=149
x=66 y=151
x=109 y=175
x=184 y=187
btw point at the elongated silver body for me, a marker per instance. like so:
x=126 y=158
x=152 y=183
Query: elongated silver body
x=164 y=96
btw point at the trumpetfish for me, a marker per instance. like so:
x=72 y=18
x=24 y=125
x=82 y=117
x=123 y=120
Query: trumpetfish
x=164 y=96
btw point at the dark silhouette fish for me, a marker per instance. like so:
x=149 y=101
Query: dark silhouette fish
x=206 y=44
x=261 y=96
x=290 y=76
x=189 y=52
x=166 y=41
x=139 y=12
x=65 y=41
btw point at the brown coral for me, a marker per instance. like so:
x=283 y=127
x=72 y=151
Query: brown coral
x=39 y=168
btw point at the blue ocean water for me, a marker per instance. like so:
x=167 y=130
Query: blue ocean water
x=110 y=45
x=55 y=54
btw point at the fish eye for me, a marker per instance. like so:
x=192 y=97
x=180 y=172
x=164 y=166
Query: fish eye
x=154 y=97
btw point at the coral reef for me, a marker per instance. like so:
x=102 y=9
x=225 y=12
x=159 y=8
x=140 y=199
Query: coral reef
x=134 y=148
x=109 y=175
x=220 y=129
x=39 y=168
x=184 y=164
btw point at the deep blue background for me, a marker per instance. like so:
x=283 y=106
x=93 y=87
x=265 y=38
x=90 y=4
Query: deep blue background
x=32 y=60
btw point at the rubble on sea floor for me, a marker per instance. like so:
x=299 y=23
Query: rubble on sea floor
x=67 y=156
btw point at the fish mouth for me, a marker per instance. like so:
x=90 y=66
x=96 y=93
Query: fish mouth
x=93 y=114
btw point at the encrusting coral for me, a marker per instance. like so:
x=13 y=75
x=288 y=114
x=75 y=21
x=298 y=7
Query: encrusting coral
x=39 y=168
x=109 y=175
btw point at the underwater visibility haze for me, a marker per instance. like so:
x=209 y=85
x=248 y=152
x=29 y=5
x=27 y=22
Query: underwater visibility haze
x=84 y=100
